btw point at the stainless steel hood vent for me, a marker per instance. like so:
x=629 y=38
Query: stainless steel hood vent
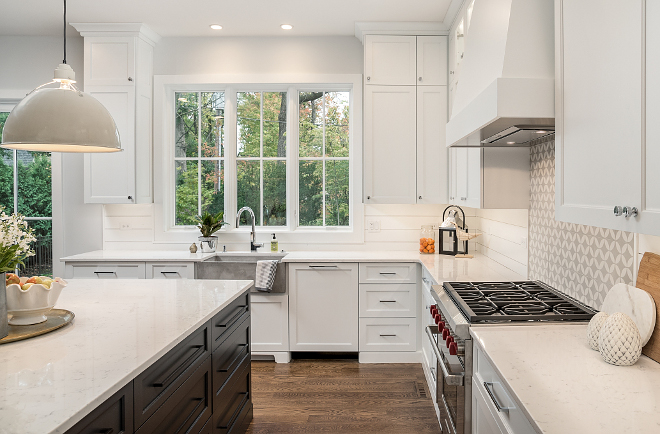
x=519 y=135
x=505 y=87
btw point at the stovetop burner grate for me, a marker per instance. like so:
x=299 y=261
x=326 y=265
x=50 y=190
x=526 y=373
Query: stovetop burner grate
x=514 y=301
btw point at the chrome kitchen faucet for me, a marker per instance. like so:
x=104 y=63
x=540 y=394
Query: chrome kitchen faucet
x=253 y=246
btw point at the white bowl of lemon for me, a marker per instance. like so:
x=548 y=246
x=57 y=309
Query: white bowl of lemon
x=29 y=300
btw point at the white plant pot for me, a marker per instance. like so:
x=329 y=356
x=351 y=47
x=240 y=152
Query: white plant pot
x=208 y=244
x=31 y=306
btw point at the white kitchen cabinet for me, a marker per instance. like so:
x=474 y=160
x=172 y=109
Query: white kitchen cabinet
x=104 y=270
x=388 y=334
x=390 y=60
x=388 y=272
x=323 y=307
x=483 y=419
x=489 y=178
x=118 y=70
x=431 y=150
x=269 y=330
x=608 y=102
x=390 y=148
x=170 y=270
x=432 y=60
x=388 y=300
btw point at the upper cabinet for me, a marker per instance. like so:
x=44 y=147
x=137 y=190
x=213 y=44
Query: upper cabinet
x=405 y=113
x=608 y=103
x=119 y=72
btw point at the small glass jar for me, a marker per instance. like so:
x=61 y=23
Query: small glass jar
x=427 y=239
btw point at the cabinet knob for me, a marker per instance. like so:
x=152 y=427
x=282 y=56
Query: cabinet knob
x=630 y=211
x=368 y=78
x=464 y=198
x=130 y=197
x=618 y=211
x=451 y=72
x=368 y=197
x=420 y=197
x=420 y=78
x=130 y=78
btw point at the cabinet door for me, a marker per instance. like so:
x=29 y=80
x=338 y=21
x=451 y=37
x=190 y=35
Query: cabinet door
x=432 y=60
x=390 y=144
x=599 y=101
x=453 y=153
x=461 y=176
x=473 y=175
x=431 y=149
x=390 y=60
x=270 y=322
x=323 y=307
x=109 y=61
x=649 y=218
x=483 y=420
x=110 y=178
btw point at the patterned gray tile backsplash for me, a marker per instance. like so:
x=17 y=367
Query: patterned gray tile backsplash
x=583 y=261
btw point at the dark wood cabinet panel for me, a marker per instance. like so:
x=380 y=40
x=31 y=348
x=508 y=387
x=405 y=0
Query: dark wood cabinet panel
x=231 y=399
x=114 y=416
x=187 y=410
x=208 y=427
x=158 y=382
x=222 y=322
x=231 y=353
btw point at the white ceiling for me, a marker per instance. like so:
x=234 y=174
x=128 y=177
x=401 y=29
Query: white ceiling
x=238 y=17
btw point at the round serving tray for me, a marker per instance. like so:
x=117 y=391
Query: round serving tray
x=56 y=319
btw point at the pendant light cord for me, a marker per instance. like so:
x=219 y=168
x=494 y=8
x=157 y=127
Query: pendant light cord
x=64 y=32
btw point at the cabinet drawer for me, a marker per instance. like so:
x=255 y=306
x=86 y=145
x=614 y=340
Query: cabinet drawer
x=114 y=415
x=388 y=300
x=388 y=273
x=107 y=270
x=161 y=270
x=222 y=322
x=188 y=409
x=208 y=427
x=494 y=390
x=155 y=385
x=230 y=354
x=243 y=420
x=388 y=334
x=231 y=399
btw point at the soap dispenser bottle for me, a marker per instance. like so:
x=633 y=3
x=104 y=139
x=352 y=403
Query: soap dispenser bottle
x=274 y=245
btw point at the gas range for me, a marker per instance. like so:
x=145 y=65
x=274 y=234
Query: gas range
x=461 y=305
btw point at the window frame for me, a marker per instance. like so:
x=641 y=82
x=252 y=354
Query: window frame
x=165 y=86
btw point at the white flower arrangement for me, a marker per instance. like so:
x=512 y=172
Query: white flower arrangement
x=15 y=240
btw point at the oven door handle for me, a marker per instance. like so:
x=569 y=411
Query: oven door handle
x=450 y=379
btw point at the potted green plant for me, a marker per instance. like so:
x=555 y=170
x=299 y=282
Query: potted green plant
x=15 y=240
x=208 y=224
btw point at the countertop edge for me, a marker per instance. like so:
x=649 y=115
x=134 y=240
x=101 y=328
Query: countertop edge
x=80 y=414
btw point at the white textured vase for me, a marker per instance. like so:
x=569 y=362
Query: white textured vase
x=619 y=340
x=593 y=330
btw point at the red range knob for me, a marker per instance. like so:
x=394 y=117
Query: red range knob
x=441 y=326
x=434 y=310
x=445 y=334
x=449 y=341
x=453 y=349
x=437 y=318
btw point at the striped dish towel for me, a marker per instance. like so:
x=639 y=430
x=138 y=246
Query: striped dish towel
x=265 y=275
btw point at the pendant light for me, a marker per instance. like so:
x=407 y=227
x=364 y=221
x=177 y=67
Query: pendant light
x=61 y=119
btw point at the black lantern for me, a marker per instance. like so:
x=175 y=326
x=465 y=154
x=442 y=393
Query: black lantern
x=448 y=233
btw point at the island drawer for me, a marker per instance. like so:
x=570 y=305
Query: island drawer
x=231 y=399
x=106 y=270
x=223 y=321
x=395 y=272
x=231 y=353
x=114 y=415
x=388 y=300
x=158 y=382
x=188 y=409
x=167 y=270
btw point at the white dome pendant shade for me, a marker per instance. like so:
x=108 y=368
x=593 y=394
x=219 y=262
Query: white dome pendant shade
x=60 y=119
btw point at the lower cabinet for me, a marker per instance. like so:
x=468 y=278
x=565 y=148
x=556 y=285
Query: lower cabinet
x=129 y=270
x=270 y=322
x=203 y=385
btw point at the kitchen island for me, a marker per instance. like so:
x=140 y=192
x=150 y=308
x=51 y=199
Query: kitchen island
x=122 y=327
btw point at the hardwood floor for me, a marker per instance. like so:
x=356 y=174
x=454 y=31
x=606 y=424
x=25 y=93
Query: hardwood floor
x=309 y=396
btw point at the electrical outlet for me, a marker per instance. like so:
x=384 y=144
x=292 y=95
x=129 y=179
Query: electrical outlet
x=373 y=225
x=523 y=241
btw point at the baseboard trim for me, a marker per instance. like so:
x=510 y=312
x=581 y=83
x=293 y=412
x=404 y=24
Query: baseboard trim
x=277 y=356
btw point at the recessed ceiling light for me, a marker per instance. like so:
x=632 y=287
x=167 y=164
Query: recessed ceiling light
x=286 y=26
x=541 y=132
x=216 y=26
x=510 y=143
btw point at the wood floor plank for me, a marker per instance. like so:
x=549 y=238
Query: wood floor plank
x=340 y=396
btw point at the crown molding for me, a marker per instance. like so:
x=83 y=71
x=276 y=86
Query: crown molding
x=422 y=28
x=117 y=29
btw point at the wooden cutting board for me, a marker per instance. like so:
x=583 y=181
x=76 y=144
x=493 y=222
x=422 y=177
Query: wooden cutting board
x=648 y=279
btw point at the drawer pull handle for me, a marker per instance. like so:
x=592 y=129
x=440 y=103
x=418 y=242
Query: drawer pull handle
x=235 y=317
x=388 y=273
x=169 y=272
x=236 y=358
x=105 y=272
x=387 y=336
x=499 y=406
x=106 y=431
x=240 y=407
x=323 y=266
x=388 y=301
x=192 y=357
x=192 y=413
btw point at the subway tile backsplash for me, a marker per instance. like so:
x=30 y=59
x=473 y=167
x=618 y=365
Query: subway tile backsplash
x=582 y=261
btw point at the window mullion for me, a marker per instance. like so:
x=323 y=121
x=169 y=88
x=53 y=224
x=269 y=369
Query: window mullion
x=292 y=173
x=261 y=159
x=323 y=156
x=231 y=150
x=199 y=153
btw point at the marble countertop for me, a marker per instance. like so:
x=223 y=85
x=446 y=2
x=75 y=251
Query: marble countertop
x=50 y=382
x=566 y=387
x=138 y=255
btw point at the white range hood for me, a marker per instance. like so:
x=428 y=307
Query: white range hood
x=507 y=75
